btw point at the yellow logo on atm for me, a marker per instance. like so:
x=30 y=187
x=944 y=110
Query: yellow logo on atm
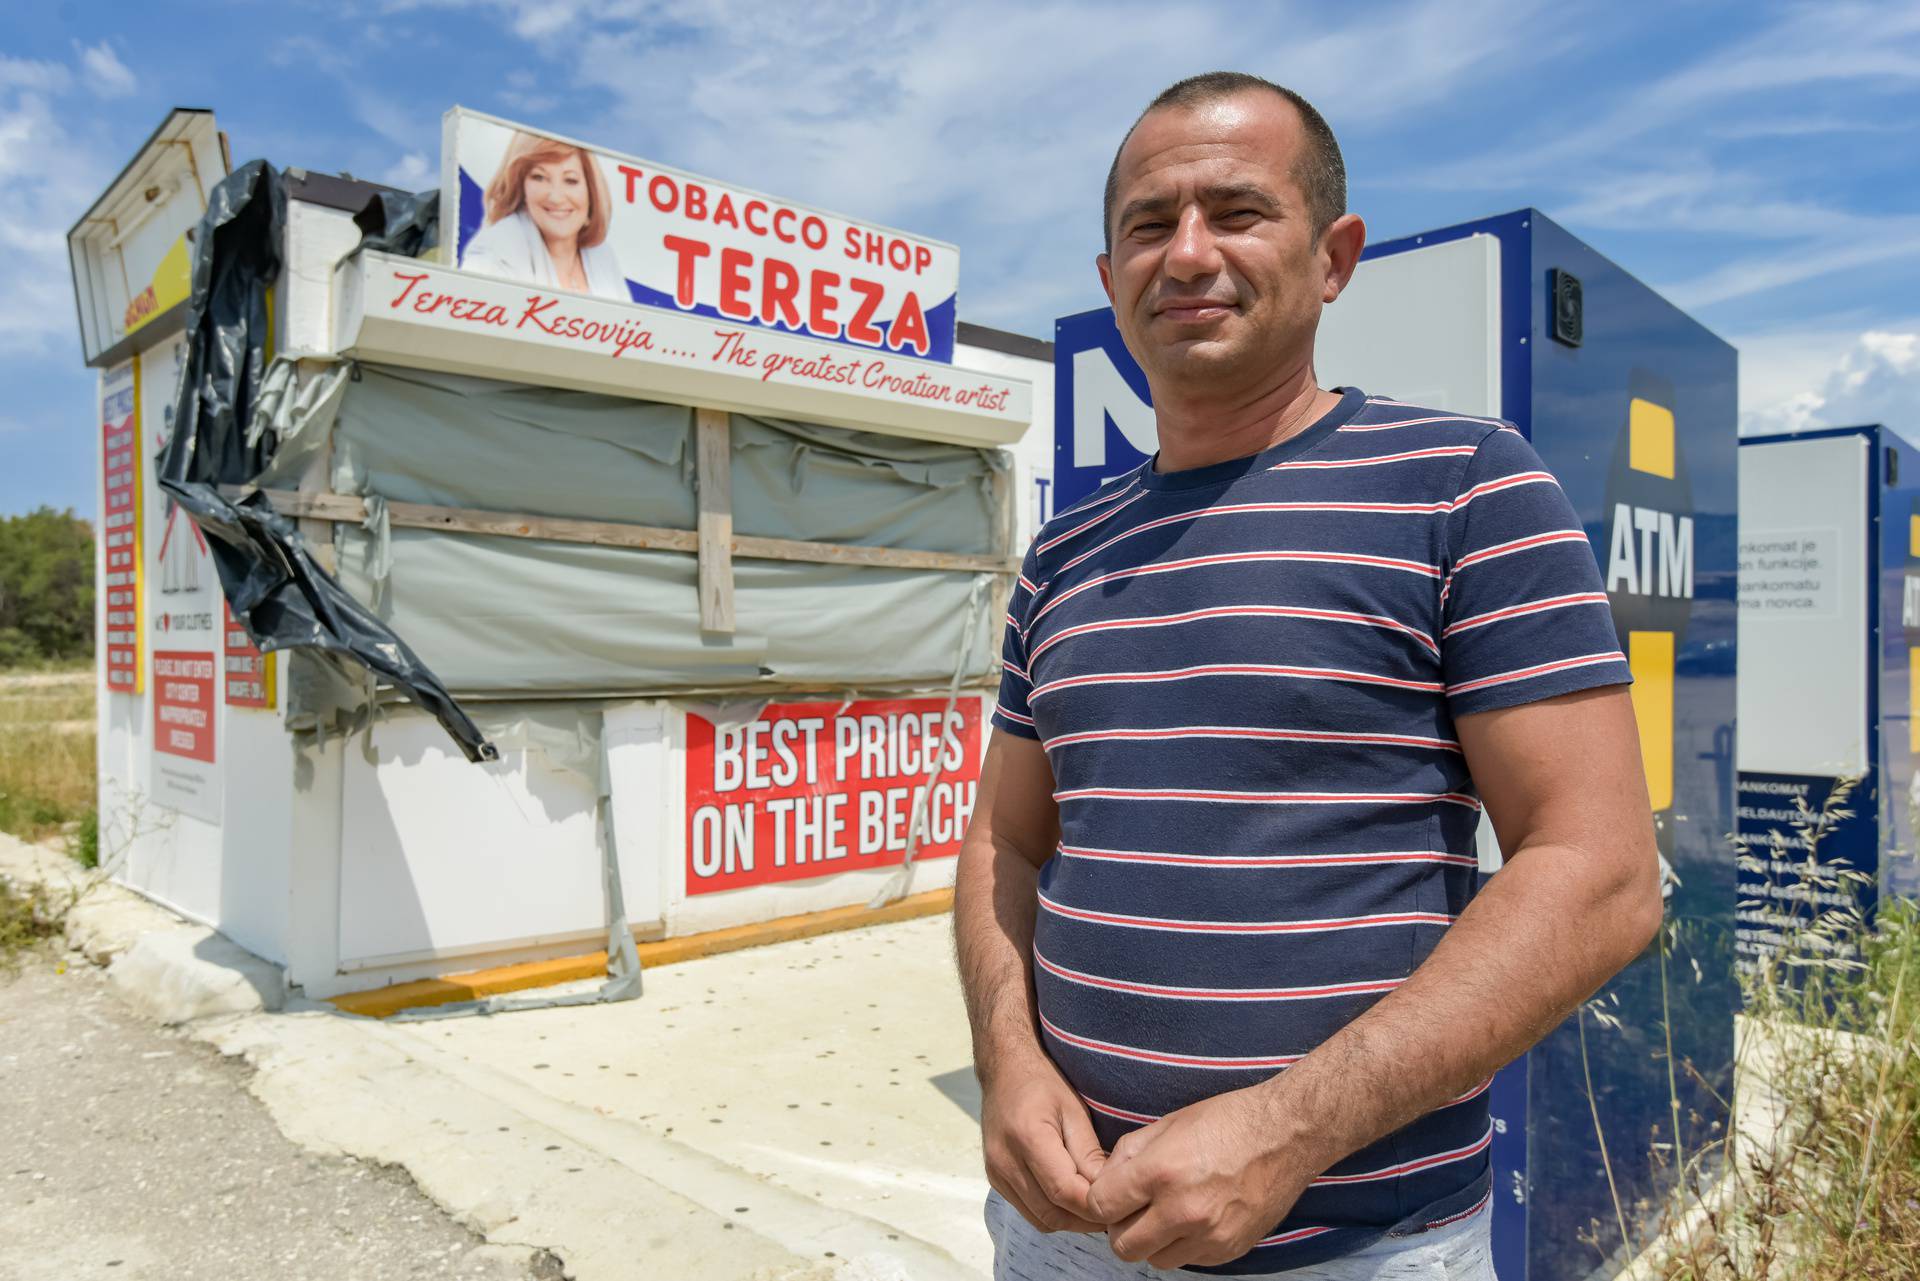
x=1649 y=573
x=1650 y=551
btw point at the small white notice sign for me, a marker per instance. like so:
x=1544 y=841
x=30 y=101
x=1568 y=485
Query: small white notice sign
x=1790 y=573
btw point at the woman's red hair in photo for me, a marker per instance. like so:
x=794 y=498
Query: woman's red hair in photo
x=507 y=193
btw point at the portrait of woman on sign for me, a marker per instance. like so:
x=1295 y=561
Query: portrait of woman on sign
x=548 y=209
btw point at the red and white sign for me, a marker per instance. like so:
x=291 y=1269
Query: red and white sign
x=183 y=706
x=811 y=789
x=249 y=680
x=550 y=211
x=120 y=528
x=408 y=311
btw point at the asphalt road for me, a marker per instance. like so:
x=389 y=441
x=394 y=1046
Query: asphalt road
x=127 y=1151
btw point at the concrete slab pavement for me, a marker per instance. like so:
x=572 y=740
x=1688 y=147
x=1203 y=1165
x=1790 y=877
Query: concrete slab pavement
x=835 y=1069
x=799 y=1112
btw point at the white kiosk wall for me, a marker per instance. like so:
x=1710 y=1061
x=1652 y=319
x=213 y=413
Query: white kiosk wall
x=1802 y=643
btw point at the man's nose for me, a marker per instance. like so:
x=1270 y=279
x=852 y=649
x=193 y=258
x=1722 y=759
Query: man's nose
x=1193 y=252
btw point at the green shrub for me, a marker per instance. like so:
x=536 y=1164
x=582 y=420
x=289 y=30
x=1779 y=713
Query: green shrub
x=83 y=843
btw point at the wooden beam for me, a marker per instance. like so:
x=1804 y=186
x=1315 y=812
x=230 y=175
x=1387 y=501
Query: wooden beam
x=464 y=520
x=754 y=547
x=316 y=479
x=713 y=475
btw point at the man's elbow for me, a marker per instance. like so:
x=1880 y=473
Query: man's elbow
x=1640 y=908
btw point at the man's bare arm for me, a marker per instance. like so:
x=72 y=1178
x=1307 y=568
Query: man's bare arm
x=1013 y=831
x=1041 y=1151
x=1577 y=899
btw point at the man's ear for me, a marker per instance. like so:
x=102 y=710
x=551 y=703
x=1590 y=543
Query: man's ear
x=1341 y=244
x=1104 y=264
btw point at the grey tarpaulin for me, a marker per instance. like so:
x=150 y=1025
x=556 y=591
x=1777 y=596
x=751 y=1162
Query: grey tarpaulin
x=281 y=595
x=502 y=617
x=395 y=222
x=897 y=885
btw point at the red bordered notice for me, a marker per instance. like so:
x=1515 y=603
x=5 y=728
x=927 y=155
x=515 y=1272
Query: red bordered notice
x=812 y=789
x=183 y=703
x=249 y=680
x=120 y=530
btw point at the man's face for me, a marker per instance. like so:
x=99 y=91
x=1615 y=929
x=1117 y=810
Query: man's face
x=1214 y=275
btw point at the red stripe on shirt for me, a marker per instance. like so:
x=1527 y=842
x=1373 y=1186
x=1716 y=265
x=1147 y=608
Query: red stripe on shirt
x=1163 y=1057
x=1530 y=607
x=1239 y=611
x=1249 y=731
x=1377 y=460
x=1539 y=669
x=1328 y=925
x=1235 y=669
x=1520 y=545
x=1240 y=558
x=1082 y=528
x=1172 y=992
x=1246 y=861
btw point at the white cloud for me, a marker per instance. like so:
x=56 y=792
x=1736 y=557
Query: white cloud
x=1873 y=378
x=47 y=178
x=1753 y=274
x=39 y=77
x=1698 y=152
x=105 y=73
x=990 y=123
x=412 y=172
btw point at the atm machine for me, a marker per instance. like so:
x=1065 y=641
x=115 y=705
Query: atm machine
x=1632 y=404
x=1829 y=617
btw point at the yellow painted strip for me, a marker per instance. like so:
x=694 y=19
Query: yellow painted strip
x=1913 y=536
x=1913 y=699
x=1650 y=437
x=475 y=984
x=1650 y=655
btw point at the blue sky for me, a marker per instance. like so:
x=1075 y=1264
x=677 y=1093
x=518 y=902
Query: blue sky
x=1758 y=163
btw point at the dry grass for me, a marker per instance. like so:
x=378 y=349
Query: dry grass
x=26 y=921
x=1821 y=1182
x=46 y=752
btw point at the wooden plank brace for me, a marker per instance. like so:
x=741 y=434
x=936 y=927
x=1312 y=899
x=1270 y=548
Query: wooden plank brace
x=713 y=477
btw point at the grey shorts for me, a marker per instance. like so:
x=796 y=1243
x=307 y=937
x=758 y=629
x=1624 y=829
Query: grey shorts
x=1461 y=1251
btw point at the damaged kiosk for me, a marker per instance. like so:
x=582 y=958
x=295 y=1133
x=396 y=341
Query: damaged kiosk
x=599 y=551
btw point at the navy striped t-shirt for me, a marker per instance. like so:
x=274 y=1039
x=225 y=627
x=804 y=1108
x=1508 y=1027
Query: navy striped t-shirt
x=1246 y=678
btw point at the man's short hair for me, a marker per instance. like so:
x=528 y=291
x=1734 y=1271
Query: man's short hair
x=1321 y=173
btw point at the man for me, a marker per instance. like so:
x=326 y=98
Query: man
x=1235 y=1004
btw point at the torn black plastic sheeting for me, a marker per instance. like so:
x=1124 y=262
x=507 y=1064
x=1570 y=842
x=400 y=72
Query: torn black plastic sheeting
x=280 y=593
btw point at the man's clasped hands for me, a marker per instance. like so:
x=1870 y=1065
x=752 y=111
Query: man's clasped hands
x=1198 y=1186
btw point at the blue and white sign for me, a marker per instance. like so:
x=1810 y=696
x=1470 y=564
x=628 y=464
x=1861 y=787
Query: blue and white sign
x=549 y=211
x=1102 y=411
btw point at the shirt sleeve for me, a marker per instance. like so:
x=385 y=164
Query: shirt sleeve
x=1013 y=715
x=1523 y=613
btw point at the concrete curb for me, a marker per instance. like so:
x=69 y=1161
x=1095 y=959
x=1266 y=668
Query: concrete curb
x=171 y=971
x=176 y=976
